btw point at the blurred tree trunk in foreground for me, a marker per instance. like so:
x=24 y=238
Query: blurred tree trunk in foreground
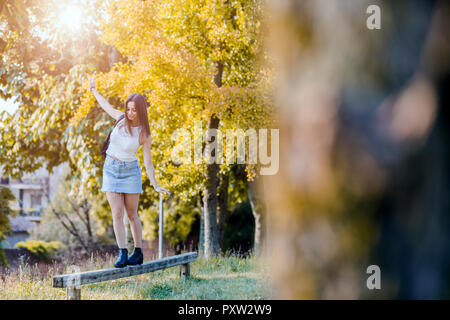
x=364 y=139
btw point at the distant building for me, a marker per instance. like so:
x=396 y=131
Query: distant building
x=20 y=231
x=33 y=192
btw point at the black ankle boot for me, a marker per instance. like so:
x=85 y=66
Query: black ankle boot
x=136 y=257
x=122 y=260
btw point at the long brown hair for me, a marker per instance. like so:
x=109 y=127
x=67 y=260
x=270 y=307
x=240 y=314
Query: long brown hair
x=141 y=108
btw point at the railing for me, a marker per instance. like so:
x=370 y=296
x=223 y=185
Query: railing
x=73 y=281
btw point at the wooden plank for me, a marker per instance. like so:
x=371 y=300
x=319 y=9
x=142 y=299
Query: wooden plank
x=67 y=280
x=73 y=293
x=185 y=271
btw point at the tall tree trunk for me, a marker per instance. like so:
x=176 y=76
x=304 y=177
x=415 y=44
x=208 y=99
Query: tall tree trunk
x=210 y=194
x=223 y=207
x=361 y=183
x=86 y=208
x=210 y=199
x=259 y=213
x=201 y=237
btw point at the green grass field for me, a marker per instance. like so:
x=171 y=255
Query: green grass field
x=221 y=278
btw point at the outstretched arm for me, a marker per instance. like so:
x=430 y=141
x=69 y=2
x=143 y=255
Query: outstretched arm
x=103 y=102
x=146 y=148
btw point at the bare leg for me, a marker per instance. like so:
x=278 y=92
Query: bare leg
x=116 y=202
x=131 y=205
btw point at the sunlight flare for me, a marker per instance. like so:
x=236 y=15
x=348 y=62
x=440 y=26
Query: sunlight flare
x=70 y=18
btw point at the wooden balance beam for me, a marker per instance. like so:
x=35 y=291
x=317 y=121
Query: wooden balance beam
x=74 y=281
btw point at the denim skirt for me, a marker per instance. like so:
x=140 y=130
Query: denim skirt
x=121 y=176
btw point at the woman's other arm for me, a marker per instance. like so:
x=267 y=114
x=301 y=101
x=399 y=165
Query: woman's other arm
x=103 y=102
x=146 y=148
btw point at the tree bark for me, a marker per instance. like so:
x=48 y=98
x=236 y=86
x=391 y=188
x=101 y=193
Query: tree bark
x=259 y=213
x=223 y=207
x=210 y=199
x=361 y=185
x=210 y=193
x=201 y=237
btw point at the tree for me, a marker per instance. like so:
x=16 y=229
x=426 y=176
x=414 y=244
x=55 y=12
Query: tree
x=259 y=210
x=44 y=76
x=5 y=197
x=175 y=53
x=223 y=207
x=195 y=59
x=72 y=220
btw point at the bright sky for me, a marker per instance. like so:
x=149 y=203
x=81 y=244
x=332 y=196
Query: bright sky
x=69 y=18
x=8 y=105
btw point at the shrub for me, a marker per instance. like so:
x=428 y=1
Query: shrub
x=42 y=249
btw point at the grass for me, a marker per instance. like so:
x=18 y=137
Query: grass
x=221 y=278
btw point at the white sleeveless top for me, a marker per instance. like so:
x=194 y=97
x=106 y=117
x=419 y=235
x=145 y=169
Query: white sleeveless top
x=122 y=145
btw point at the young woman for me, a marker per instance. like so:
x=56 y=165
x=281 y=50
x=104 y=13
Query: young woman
x=122 y=173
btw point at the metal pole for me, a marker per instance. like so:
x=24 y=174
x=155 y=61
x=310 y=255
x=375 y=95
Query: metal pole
x=128 y=233
x=161 y=228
